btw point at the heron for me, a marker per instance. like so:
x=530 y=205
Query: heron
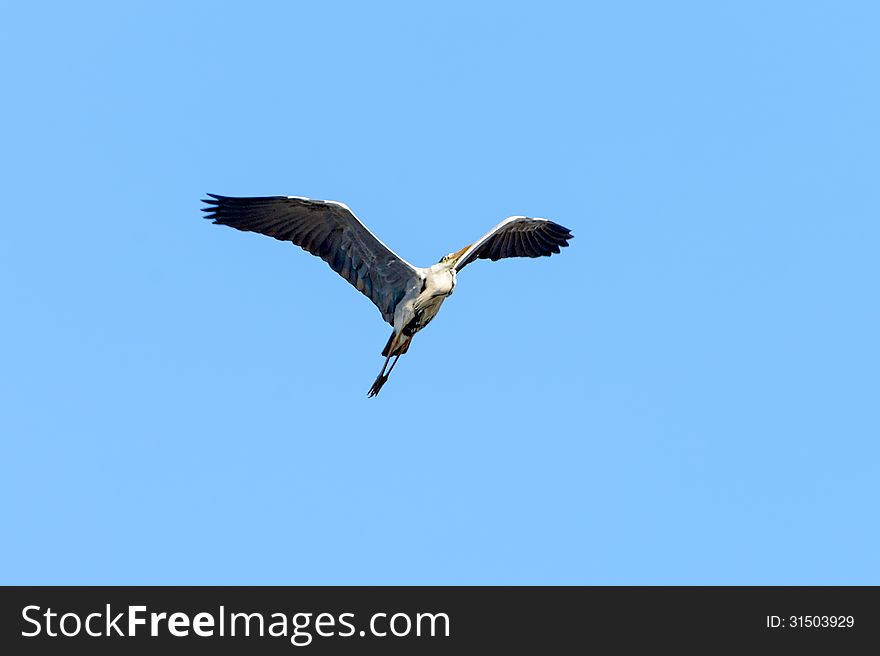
x=408 y=296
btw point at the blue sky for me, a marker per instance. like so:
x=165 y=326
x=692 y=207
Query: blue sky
x=688 y=394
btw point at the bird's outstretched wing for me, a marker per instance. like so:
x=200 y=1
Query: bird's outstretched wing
x=517 y=236
x=329 y=230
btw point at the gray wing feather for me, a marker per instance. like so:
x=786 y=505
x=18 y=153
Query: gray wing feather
x=329 y=230
x=517 y=236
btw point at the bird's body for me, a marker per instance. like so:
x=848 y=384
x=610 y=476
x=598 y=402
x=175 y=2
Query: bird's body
x=420 y=305
x=408 y=297
x=423 y=304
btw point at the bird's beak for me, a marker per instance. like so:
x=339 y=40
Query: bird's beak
x=456 y=256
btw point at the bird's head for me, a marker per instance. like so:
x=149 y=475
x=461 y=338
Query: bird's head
x=452 y=258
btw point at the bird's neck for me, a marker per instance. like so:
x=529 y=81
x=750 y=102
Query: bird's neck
x=442 y=267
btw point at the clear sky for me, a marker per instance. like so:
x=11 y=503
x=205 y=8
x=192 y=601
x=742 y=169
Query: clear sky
x=688 y=394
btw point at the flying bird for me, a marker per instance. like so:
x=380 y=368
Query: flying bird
x=408 y=296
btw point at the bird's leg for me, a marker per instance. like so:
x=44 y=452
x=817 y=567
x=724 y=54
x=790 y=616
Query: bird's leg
x=381 y=373
x=381 y=378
